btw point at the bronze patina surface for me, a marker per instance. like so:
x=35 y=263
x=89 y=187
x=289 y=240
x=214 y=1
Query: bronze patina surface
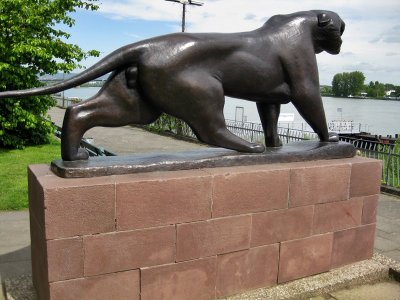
x=196 y=159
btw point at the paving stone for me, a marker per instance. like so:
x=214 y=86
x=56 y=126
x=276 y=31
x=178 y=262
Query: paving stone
x=11 y=256
x=394 y=237
x=389 y=207
x=16 y=268
x=15 y=225
x=388 y=225
x=383 y=290
x=385 y=244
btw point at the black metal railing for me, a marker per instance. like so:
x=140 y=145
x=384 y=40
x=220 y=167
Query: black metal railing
x=92 y=149
x=249 y=131
x=389 y=154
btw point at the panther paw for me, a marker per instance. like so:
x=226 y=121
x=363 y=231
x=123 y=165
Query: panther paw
x=333 y=137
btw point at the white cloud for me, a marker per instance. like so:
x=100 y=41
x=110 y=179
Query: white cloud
x=140 y=9
x=372 y=27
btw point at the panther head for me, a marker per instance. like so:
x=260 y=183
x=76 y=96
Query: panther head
x=328 y=32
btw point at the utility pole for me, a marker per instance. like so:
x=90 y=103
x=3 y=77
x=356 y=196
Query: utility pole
x=184 y=3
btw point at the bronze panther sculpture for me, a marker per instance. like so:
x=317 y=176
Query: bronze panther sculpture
x=187 y=75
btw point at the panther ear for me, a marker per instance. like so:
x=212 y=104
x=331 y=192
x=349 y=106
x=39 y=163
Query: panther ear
x=323 y=20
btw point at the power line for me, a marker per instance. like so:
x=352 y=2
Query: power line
x=184 y=3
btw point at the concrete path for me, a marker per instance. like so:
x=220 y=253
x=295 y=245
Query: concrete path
x=15 y=253
x=127 y=140
x=387 y=239
x=380 y=290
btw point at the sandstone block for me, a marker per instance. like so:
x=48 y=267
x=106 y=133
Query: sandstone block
x=353 y=245
x=247 y=270
x=305 y=257
x=78 y=206
x=281 y=225
x=370 y=209
x=162 y=198
x=65 y=259
x=319 y=184
x=337 y=216
x=249 y=190
x=123 y=285
x=216 y=236
x=120 y=251
x=188 y=280
x=365 y=177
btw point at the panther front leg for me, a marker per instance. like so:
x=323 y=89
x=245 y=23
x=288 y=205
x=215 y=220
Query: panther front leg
x=269 y=114
x=311 y=109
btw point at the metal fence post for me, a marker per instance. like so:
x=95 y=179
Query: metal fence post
x=388 y=166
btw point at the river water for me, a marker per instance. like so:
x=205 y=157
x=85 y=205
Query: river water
x=375 y=116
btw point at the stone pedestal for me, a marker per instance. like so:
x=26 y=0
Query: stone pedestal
x=199 y=234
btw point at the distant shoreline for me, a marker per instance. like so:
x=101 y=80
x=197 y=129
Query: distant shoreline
x=361 y=98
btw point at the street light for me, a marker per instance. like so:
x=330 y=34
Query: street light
x=184 y=3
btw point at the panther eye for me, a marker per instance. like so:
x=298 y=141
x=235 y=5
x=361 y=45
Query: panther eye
x=324 y=20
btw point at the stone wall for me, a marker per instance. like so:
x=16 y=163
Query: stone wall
x=199 y=234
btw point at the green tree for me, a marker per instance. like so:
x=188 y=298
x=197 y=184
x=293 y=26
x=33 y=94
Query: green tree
x=326 y=90
x=356 y=82
x=345 y=84
x=340 y=85
x=337 y=83
x=376 y=90
x=32 y=44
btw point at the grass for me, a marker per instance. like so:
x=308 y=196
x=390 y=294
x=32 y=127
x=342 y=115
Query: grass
x=13 y=172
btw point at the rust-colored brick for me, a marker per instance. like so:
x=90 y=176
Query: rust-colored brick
x=65 y=259
x=120 y=251
x=163 y=198
x=331 y=217
x=353 y=245
x=182 y=281
x=122 y=285
x=365 y=177
x=370 y=209
x=77 y=206
x=247 y=191
x=319 y=184
x=305 y=257
x=281 y=225
x=247 y=270
x=217 y=236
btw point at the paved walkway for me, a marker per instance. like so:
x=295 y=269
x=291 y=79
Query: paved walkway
x=127 y=140
x=387 y=240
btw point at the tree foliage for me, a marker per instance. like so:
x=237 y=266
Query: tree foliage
x=32 y=44
x=345 y=84
x=376 y=89
x=326 y=90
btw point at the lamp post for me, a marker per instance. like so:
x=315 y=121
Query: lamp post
x=184 y=3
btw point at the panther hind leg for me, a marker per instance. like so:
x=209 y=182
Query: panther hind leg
x=115 y=105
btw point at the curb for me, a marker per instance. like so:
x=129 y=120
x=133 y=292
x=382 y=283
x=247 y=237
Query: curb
x=390 y=190
x=2 y=289
x=369 y=271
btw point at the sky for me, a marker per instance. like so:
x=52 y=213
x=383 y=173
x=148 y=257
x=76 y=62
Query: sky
x=371 y=42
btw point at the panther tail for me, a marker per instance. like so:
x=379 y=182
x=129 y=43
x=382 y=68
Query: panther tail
x=122 y=57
